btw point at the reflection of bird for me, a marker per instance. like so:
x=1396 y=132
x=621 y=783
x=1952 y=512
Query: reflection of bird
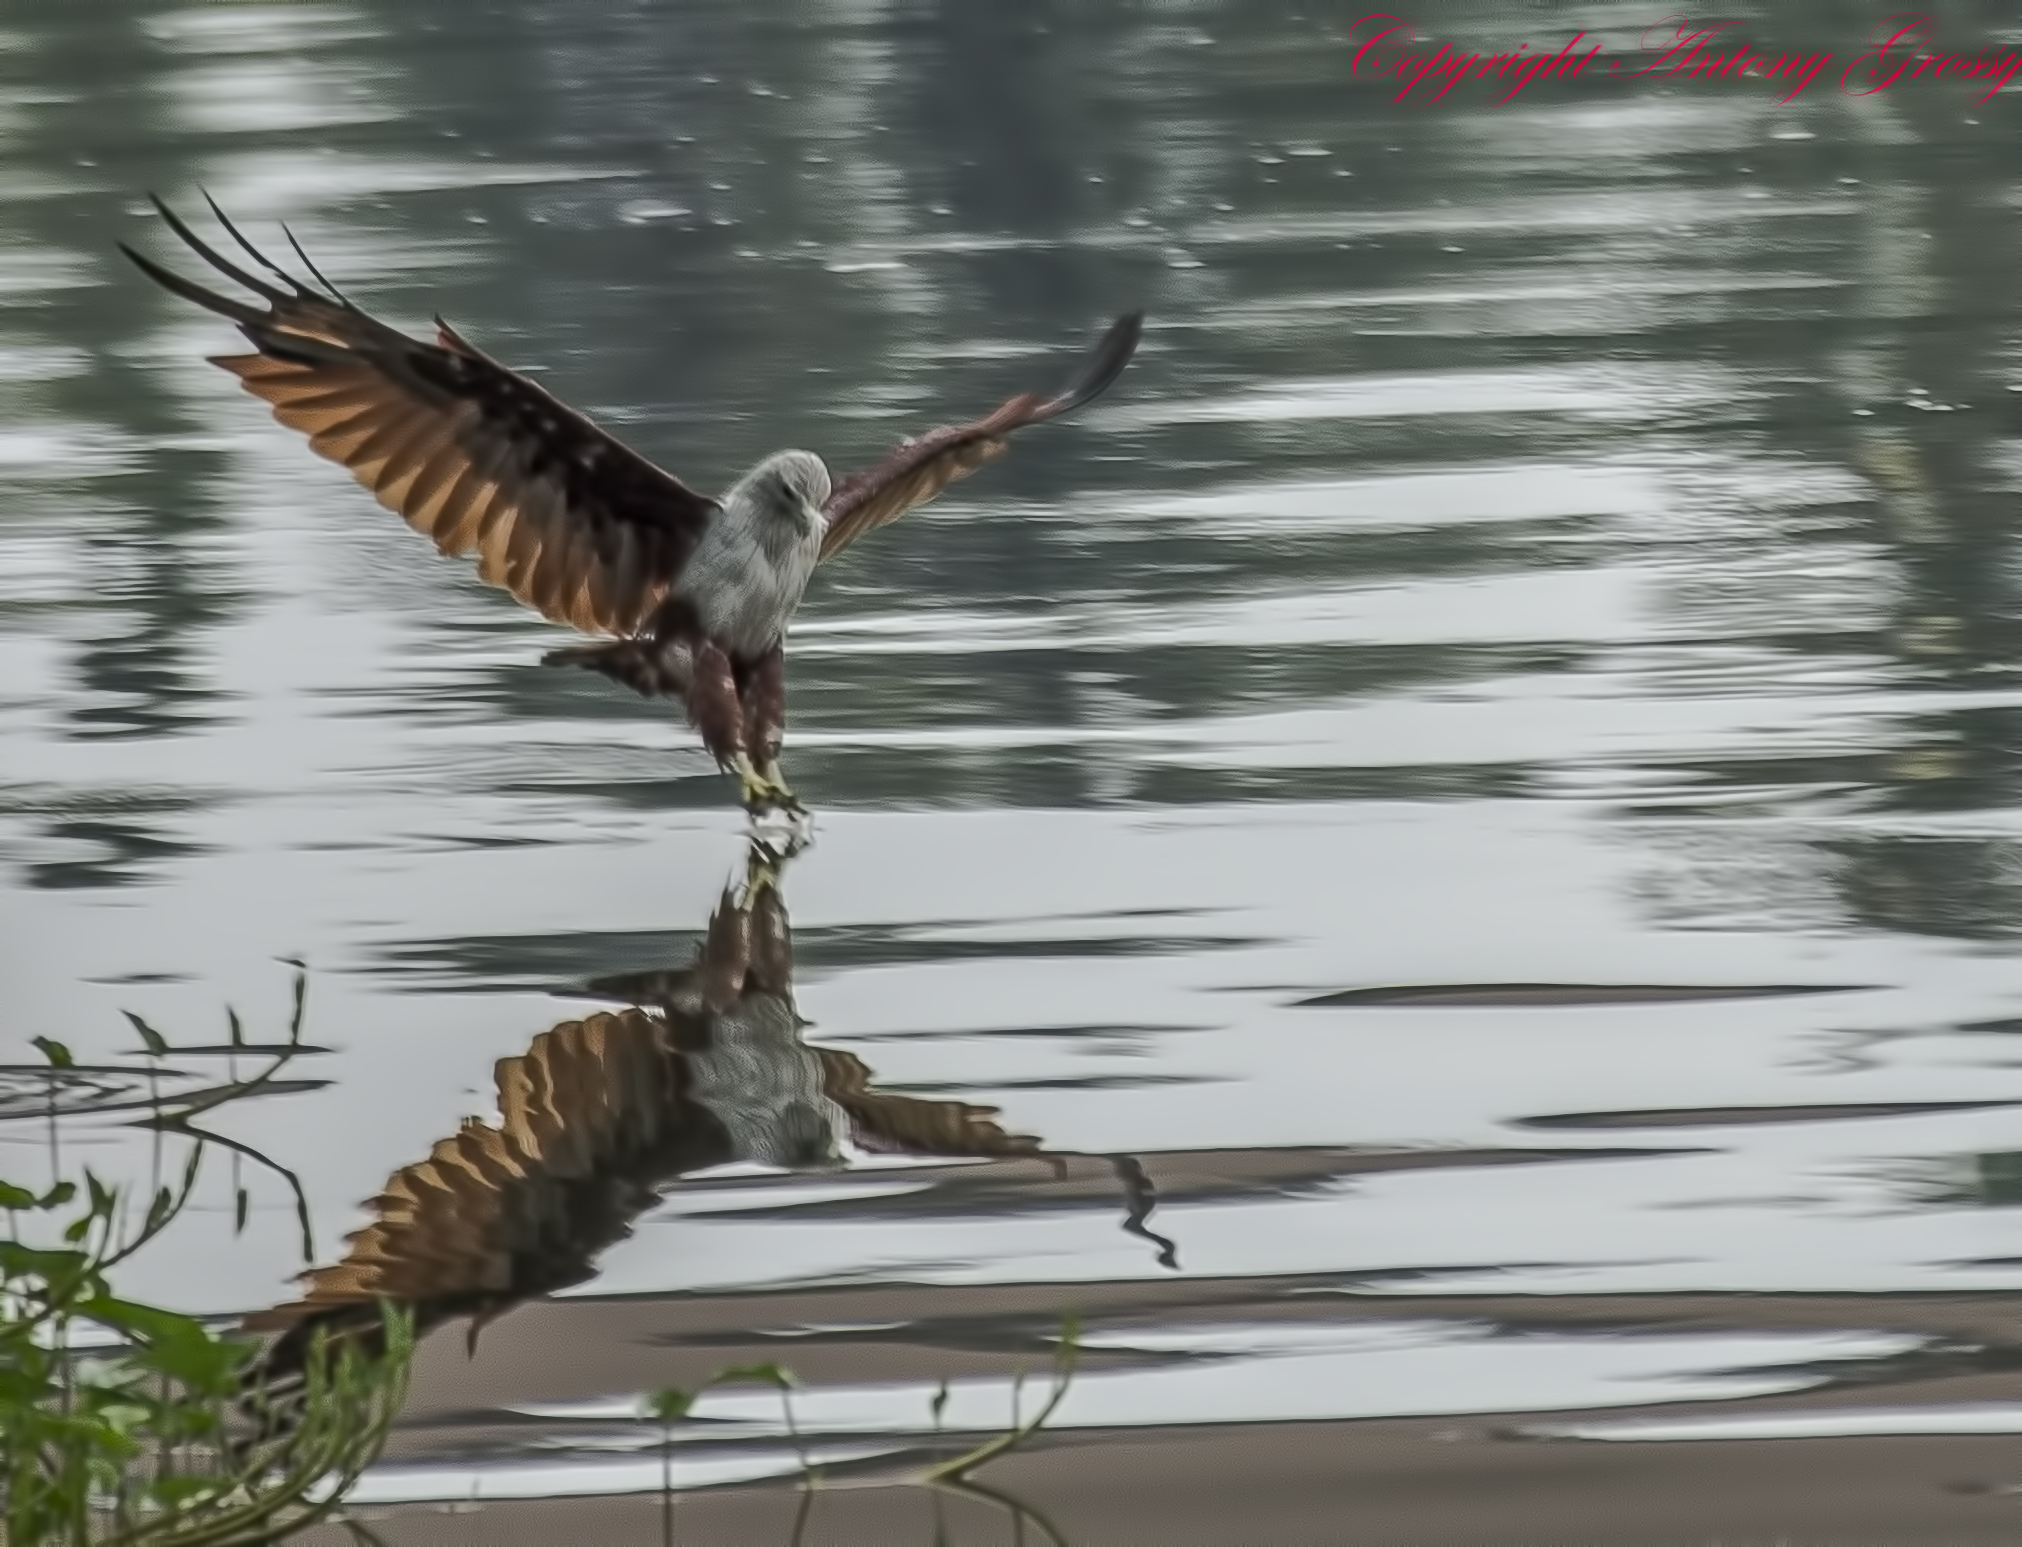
x=598 y=1115
x=697 y=591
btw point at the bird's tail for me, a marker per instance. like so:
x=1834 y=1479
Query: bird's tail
x=652 y=667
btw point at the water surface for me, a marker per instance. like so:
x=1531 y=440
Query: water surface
x=1468 y=810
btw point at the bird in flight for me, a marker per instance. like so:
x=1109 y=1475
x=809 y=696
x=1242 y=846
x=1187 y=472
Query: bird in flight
x=693 y=592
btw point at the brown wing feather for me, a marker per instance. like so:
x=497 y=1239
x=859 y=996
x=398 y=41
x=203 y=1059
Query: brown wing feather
x=907 y=1124
x=498 y=1213
x=566 y=517
x=920 y=469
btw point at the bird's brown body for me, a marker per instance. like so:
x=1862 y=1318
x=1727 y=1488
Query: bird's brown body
x=718 y=641
x=694 y=594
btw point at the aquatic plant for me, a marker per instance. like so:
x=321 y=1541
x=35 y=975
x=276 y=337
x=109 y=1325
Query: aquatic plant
x=673 y=1405
x=125 y=1423
x=1067 y=1352
x=954 y=1475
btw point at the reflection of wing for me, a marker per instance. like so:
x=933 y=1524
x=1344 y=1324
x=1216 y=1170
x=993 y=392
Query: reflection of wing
x=471 y=453
x=908 y=1125
x=595 y=1118
x=592 y=1115
x=920 y=469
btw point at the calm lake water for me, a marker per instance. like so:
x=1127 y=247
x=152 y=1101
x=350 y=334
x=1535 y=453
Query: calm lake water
x=1569 y=543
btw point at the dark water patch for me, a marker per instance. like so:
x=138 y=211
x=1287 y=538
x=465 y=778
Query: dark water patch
x=1055 y=1082
x=1123 y=1032
x=1051 y=1180
x=1433 y=1274
x=558 y=962
x=1749 y=1116
x=86 y=839
x=250 y=1049
x=1987 y=1179
x=131 y=858
x=1935 y=1360
x=1182 y=684
x=36 y=1090
x=1961 y=888
x=696 y=792
x=1174 y=784
x=601 y=961
x=29 y=1091
x=1567 y=995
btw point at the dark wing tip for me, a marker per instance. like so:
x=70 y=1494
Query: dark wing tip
x=450 y=339
x=215 y=259
x=189 y=290
x=1104 y=364
x=248 y=248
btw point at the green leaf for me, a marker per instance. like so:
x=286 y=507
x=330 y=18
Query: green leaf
x=103 y=1199
x=123 y=1418
x=78 y=1228
x=57 y=1054
x=669 y=1405
x=244 y=1203
x=146 y=1321
x=105 y=1375
x=764 y=1374
x=301 y=998
x=12 y=1197
x=154 y=1041
x=177 y=1346
x=24 y=1391
x=18 y=1261
x=238 y=1031
x=177 y=1492
x=59 y=1195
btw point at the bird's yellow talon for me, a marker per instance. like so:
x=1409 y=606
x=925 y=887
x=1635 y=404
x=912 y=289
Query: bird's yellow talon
x=761 y=869
x=753 y=788
x=782 y=793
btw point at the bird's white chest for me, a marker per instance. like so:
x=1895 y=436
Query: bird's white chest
x=765 y=1086
x=746 y=585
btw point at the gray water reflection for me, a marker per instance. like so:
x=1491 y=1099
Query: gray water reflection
x=1567 y=544
x=704 y=1069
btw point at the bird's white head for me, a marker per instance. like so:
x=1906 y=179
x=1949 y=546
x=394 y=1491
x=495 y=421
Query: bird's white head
x=792 y=483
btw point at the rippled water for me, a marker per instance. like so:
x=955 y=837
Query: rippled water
x=1468 y=809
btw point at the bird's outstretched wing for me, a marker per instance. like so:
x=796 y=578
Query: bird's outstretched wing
x=464 y=449
x=919 y=469
x=907 y=1125
x=592 y=1117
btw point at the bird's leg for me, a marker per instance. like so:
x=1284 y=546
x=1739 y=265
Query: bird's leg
x=753 y=788
x=725 y=956
x=772 y=939
x=761 y=872
x=771 y=774
x=764 y=704
x=715 y=707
